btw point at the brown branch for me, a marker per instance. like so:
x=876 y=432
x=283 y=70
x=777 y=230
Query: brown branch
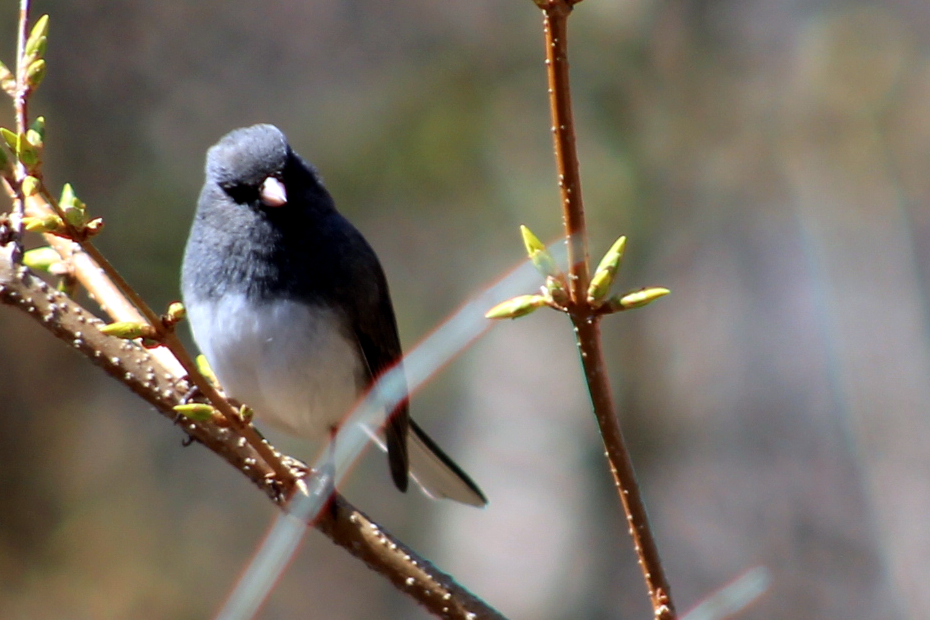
x=140 y=371
x=121 y=301
x=555 y=22
x=20 y=103
x=21 y=100
x=415 y=576
x=99 y=287
x=621 y=468
x=124 y=360
x=585 y=317
x=99 y=277
x=157 y=377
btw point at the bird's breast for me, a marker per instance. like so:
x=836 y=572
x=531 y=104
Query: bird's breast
x=295 y=364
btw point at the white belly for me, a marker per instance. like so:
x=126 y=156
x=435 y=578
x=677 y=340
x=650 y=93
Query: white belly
x=290 y=362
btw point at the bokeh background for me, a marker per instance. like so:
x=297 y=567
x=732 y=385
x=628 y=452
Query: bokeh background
x=768 y=161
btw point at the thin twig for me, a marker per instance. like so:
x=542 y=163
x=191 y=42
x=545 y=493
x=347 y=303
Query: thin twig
x=98 y=267
x=124 y=360
x=99 y=264
x=585 y=317
x=417 y=577
x=555 y=22
x=153 y=377
x=170 y=340
x=621 y=468
x=20 y=102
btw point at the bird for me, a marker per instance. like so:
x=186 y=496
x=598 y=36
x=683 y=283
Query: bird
x=290 y=305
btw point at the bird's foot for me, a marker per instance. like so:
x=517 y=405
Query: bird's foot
x=319 y=483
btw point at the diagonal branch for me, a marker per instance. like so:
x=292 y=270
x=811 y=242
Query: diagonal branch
x=91 y=266
x=102 y=280
x=163 y=376
x=138 y=369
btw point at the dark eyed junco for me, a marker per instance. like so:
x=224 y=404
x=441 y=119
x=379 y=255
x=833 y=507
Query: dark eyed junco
x=290 y=306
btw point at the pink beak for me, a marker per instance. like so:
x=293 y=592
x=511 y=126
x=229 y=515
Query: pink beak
x=272 y=193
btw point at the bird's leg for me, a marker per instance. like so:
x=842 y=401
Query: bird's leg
x=325 y=481
x=320 y=484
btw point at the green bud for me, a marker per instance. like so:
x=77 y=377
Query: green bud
x=26 y=153
x=198 y=412
x=11 y=138
x=204 y=367
x=38 y=39
x=531 y=241
x=557 y=291
x=34 y=139
x=636 y=299
x=603 y=277
x=38 y=126
x=74 y=209
x=7 y=80
x=35 y=73
x=41 y=259
x=38 y=49
x=69 y=198
x=176 y=311
x=30 y=186
x=246 y=413
x=93 y=227
x=129 y=330
x=538 y=253
x=4 y=161
x=516 y=307
x=44 y=224
x=74 y=216
x=36 y=134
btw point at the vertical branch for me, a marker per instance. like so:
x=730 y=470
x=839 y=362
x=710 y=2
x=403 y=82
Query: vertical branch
x=621 y=468
x=555 y=22
x=585 y=317
x=21 y=100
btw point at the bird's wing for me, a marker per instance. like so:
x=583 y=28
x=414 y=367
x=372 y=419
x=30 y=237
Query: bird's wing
x=376 y=332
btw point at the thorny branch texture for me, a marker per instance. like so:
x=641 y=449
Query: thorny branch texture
x=584 y=316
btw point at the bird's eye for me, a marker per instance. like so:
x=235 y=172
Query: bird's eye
x=241 y=192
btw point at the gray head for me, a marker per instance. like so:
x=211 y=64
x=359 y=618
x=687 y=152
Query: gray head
x=255 y=165
x=262 y=212
x=248 y=156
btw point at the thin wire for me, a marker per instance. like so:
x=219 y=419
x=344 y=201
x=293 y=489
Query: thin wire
x=734 y=597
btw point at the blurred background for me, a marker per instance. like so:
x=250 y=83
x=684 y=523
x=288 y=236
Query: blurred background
x=769 y=163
